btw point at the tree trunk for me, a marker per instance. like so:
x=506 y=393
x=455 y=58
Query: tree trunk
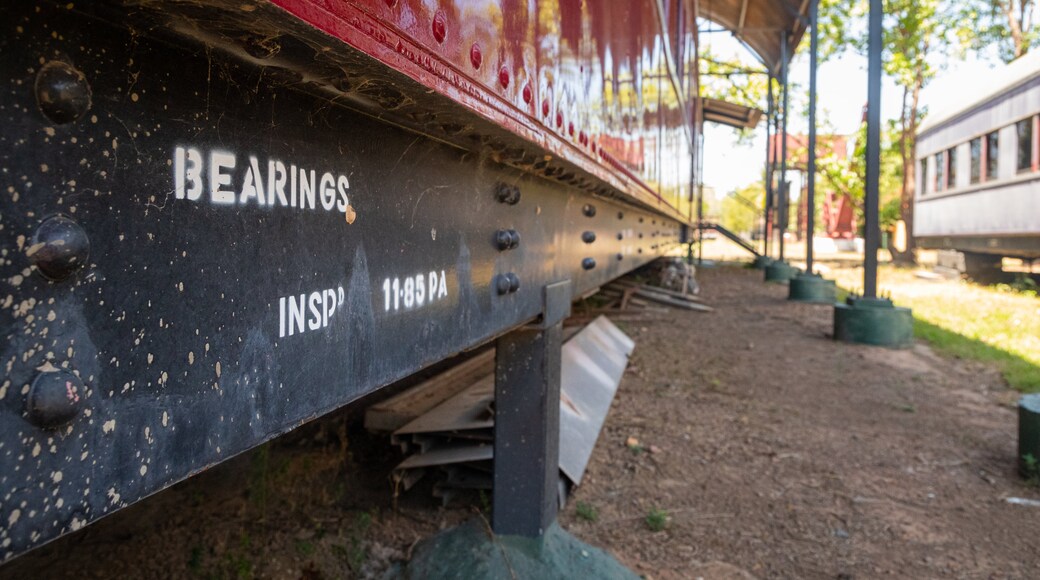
x=1015 y=27
x=908 y=151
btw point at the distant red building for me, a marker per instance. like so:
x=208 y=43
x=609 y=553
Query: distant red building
x=837 y=218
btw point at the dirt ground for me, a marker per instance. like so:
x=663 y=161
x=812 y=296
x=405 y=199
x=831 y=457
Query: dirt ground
x=768 y=451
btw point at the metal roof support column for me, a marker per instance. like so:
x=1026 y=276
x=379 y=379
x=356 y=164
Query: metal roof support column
x=810 y=217
x=766 y=223
x=782 y=203
x=700 y=200
x=871 y=233
x=870 y=320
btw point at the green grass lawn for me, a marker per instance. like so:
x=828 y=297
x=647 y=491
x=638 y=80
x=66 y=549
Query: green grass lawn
x=965 y=320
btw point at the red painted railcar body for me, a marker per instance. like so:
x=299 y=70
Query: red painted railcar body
x=608 y=86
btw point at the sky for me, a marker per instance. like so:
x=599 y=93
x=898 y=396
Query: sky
x=841 y=96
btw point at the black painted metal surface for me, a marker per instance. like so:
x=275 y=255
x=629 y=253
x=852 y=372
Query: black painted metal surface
x=527 y=420
x=233 y=255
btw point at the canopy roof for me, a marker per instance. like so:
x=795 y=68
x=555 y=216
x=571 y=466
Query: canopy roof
x=730 y=114
x=760 y=23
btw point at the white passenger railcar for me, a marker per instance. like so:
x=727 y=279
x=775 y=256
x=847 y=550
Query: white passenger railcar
x=978 y=182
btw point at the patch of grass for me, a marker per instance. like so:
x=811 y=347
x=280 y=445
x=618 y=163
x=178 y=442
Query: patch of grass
x=1020 y=373
x=657 y=520
x=195 y=560
x=304 y=548
x=996 y=325
x=355 y=552
x=586 y=512
x=1032 y=469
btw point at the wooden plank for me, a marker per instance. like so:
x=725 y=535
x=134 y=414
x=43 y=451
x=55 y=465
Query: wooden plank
x=676 y=302
x=403 y=408
x=628 y=284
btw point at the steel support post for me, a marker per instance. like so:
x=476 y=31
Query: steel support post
x=766 y=229
x=527 y=421
x=700 y=201
x=871 y=233
x=782 y=205
x=810 y=217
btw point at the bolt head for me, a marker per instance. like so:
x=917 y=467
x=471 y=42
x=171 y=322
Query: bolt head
x=59 y=248
x=62 y=92
x=54 y=399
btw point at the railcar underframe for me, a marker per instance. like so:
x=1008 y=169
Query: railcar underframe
x=201 y=252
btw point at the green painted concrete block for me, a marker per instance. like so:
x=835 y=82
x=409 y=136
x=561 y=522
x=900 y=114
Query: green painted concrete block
x=873 y=321
x=471 y=552
x=780 y=272
x=1029 y=435
x=812 y=288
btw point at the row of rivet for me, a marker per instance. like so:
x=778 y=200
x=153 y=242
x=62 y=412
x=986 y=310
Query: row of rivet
x=439 y=27
x=60 y=245
x=507 y=239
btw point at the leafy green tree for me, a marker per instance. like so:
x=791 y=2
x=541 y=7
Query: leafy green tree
x=915 y=32
x=742 y=209
x=845 y=174
x=1009 y=26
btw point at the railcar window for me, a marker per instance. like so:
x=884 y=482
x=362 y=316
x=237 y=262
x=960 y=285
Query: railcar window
x=951 y=168
x=992 y=154
x=940 y=171
x=924 y=176
x=1024 y=128
x=976 y=160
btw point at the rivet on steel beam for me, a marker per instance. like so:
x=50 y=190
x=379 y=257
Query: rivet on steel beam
x=503 y=77
x=62 y=92
x=474 y=55
x=507 y=194
x=440 y=25
x=620 y=256
x=620 y=215
x=507 y=239
x=527 y=94
x=59 y=247
x=620 y=236
x=54 y=399
x=588 y=237
x=588 y=264
x=589 y=210
x=507 y=283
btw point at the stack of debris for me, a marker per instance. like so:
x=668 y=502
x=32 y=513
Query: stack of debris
x=625 y=293
x=446 y=424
